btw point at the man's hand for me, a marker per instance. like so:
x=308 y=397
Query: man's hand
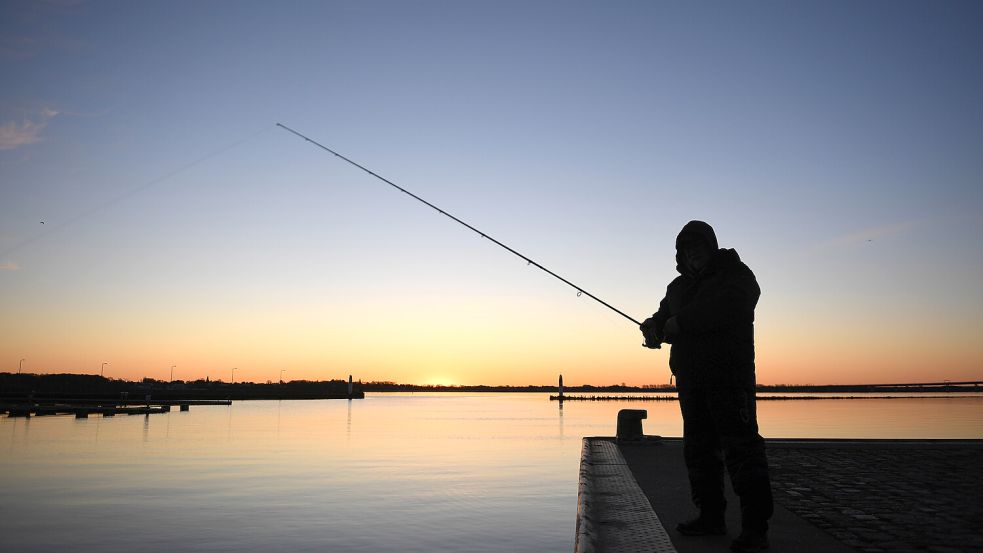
x=671 y=329
x=652 y=340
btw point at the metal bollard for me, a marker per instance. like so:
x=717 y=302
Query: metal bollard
x=630 y=424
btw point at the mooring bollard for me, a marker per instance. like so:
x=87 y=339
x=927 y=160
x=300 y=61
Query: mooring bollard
x=185 y=407
x=630 y=424
x=82 y=414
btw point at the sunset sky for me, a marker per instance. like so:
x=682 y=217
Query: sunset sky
x=837 y=146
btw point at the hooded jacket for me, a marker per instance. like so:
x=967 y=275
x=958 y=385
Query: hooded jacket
x=715 y=313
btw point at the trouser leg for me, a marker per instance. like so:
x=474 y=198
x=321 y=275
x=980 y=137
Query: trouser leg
x=735 y=416
x=702 y=452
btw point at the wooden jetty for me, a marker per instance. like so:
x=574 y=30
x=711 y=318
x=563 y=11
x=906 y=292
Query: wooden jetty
x=612 y=398
x=82 y=408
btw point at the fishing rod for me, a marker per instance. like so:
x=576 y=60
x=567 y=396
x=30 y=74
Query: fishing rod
x=482 y=234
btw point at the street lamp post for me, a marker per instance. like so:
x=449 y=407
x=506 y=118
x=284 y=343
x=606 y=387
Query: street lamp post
x=20 y=365
x=281 y=375
x=234 y=374
x=102 y=369
x=172 y=372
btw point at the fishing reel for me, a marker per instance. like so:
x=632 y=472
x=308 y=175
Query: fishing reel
x=651 y=340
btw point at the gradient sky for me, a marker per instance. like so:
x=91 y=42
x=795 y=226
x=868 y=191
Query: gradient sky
x=838 y=146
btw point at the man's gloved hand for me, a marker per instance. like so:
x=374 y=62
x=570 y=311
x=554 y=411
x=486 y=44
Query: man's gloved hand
x=652 y=339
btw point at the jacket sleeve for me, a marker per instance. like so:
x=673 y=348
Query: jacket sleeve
x=729 y=302
x=659 y=318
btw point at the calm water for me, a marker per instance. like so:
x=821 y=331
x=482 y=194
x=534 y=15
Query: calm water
x=393 y=472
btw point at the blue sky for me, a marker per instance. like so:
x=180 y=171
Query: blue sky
x=835 y=145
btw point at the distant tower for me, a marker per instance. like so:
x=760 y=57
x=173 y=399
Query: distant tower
x=349 y=386
x=561 y=386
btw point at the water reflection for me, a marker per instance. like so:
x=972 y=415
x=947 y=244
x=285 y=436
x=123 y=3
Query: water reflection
x=348 y=423
x=279 y=405
x=228 y=425
x=437 y=472
x=560 y=416
x=953 y=417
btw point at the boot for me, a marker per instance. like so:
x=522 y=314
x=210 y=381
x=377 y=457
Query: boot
x=750 y=541
x=704 y=525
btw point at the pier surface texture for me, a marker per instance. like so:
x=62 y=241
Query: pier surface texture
x=613 y=513
x=830 y=496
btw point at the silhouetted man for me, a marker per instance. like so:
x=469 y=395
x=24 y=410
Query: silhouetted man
x=708 y=317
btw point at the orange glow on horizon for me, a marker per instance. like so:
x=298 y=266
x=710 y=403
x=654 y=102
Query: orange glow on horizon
x=470 y=343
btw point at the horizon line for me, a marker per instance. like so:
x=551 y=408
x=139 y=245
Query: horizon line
x=393 y=383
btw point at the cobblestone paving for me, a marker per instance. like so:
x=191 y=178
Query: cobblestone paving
x=885 y=497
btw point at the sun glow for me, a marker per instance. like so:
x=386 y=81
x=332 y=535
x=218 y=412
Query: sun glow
x=439 y=380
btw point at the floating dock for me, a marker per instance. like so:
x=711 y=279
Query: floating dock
x=82 y=408
x=612 y=398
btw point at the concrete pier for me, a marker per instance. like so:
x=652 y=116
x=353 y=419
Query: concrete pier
x=830 y=496
x=613 y=513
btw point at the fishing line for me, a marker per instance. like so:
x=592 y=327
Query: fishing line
x=580 y=291
x=51 y=228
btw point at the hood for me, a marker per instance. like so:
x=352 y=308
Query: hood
x=694 y=231
x=697 y=230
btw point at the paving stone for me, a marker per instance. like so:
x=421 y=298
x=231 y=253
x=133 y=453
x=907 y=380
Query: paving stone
x=890 y=496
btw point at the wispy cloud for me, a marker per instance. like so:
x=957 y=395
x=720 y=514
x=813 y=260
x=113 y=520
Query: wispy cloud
x=9 y=266
x=14 y=134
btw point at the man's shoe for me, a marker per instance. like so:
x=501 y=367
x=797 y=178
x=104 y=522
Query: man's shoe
x=750 y=541
x=703 y=526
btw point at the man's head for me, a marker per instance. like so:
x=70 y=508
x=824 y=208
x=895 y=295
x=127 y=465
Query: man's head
x=695 y=245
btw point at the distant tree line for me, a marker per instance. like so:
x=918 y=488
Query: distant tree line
x=85 y=386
